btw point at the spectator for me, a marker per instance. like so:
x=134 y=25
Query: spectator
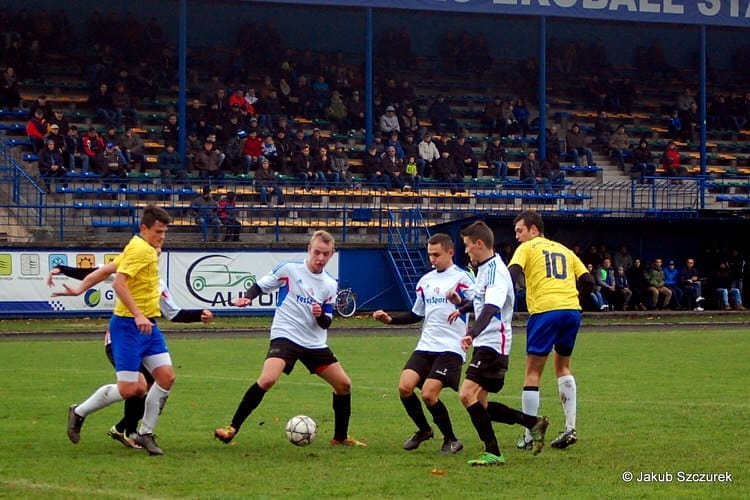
x=643 y=164
x=284 y=148
x=440 y=115
x=672 y=281
x=576 y=142
x=170 y=132
x=428 y=154
x=622 y=258
x=170 y=166
x=229 y=216
x=521 y=115
x=393 y=141
x=266 y=183
x=602 y=129
x=110 y=163
x=410 y=123
x=623 y=293
x=10 y=96
x=619 y=146
x=123 y=106
x=531 y=174
x=637 y=280
x=605 y=278
x=76 y=158
x=411 y=170
x=463 y=155
x=252 y=150
x=728 y=295
x=36 y=130
x=42 y=103
x=340 y=165
x=393 y=168
x=337 y=113
x=101 y=103
x=493 y=117
x=692 y=286
x=93 y=145
x=50 y=163
x=57 y=137
x=208 y=162
x=597 y=299
x=304 y=168
x=58 y=118
x=324 y=172
x=317 y=142
x=552 y=172
x=444 y=171
x=657 y=287
x=554 y=142
x=495 y=157
x=389 y=121
x=356 y=113
x=371 y=166
x=131 y=146
x=670 y=161
x=205 y=211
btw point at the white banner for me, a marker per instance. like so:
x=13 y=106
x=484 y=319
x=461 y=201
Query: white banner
x=196 y=280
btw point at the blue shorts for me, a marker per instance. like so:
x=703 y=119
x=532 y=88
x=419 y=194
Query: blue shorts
x=552 y=328
x=129 y=346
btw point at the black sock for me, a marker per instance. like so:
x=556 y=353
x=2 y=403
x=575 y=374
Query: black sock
x=499 y=412
x=250 y=401
x=134 y=408
x=442 y=420
x=482 y=423
x=342 y=410
x=414 y=410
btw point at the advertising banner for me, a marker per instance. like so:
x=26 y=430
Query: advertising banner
x=196 y=280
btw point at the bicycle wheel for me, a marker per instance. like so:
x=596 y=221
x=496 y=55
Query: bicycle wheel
x=346 y=303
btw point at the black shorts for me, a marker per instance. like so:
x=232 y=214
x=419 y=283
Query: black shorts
x=487 y=368
x=111 y=358
x=442 y=366
x=316 y=360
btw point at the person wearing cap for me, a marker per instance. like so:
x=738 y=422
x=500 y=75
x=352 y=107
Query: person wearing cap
x=110 y=162
x=58 y=118
x=266 y=183
x=234 y=161
x=389 y=121
x=56 y=136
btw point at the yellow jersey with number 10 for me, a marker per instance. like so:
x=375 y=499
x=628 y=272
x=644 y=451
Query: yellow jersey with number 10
x=551 y=270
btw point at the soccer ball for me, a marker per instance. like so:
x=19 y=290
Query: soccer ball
x=301 y=430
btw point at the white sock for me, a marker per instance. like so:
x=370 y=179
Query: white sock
x=567 y=387
x=104 y=396
x=155 y=401
x=530 y=406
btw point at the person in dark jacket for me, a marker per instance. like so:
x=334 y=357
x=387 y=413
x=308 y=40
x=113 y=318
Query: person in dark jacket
x=50 y=162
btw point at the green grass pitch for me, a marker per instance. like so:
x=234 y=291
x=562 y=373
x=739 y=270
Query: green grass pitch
x=671 y=401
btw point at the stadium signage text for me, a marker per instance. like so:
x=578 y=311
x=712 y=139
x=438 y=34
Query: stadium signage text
x=708 y=12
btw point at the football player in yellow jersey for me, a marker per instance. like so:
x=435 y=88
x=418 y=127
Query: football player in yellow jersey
x=136 y=338
x=554 y=275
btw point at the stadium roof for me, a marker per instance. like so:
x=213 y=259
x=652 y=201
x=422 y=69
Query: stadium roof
x=707 y=12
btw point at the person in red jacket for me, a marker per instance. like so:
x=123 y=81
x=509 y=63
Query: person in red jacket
x=36 y=129
x=670 y=160
x=252 y=150
x=93 y=145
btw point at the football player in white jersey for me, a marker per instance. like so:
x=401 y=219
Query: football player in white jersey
x=124 y=430
x=491 y=337
x=436 y=361
x=299 y=332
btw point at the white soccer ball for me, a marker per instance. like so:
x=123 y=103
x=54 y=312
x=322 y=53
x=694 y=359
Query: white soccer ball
x=301 y=430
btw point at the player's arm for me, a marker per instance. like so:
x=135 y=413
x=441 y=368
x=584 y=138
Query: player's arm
x=406 y=318
x=515 y=273
x=488 y=311
x=251 y=293
x=91 y=277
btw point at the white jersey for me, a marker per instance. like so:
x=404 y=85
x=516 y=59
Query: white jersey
x=437 y=334
x=298 y=289
x=494 y=286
